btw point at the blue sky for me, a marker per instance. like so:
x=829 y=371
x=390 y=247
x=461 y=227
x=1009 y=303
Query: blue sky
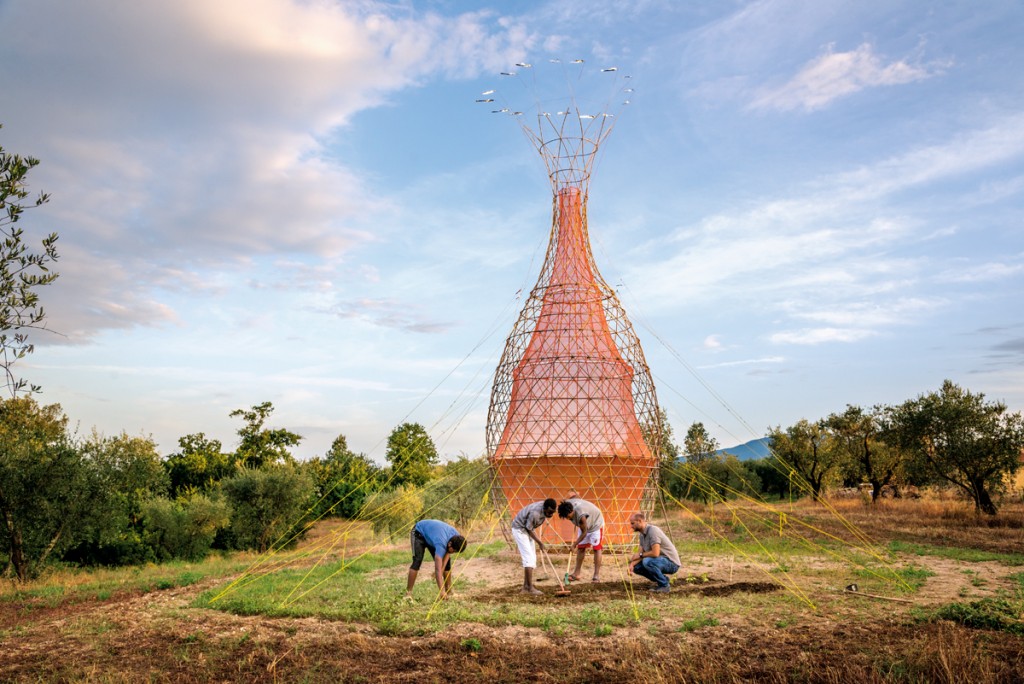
x=806 y=204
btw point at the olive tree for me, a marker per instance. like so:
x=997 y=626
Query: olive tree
x=198 y=465
x=966 y=441
x=699 y=445
x=23 y=270
x=124 y=472
x=184 y=527
x=811 y=453
x=268 y=506
x=694 y=479
x=460 y=493
x=45 y=485
x=860 y=434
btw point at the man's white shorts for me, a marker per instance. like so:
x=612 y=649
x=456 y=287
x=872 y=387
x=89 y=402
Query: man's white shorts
x=526 y=548
x=592 y=540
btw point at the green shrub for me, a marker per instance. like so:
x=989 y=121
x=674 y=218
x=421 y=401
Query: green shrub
x=1004 y=615
x=343 y=480
x=268 y=506
x=184 y=528
x=124 y=471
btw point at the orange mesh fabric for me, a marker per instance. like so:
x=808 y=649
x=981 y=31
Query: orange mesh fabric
x=571 y=421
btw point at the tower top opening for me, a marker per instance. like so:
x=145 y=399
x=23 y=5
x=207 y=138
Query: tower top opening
x=573 y=111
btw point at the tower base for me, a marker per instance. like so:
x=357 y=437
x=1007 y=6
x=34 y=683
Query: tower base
x=618 y=486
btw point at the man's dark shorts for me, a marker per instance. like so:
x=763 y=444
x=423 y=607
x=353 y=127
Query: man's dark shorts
x=419 y=545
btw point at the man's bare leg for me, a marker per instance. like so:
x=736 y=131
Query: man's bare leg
x=579 y=562
x=528 y=587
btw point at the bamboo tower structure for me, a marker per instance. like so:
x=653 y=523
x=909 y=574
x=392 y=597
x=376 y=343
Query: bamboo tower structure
x=573 y=406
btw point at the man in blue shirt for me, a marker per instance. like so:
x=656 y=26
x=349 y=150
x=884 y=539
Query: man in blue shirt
x=442 y=540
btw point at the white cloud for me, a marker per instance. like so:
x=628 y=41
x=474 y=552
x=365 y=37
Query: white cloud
x=867 y=315
x=844 y=250
x=745 y=362
x=811 y=336
x=185 y=135
x=966 y=153
x=837 y=74
x=387 y=313
x=978 y=273
x=712 y=343
x=995 y=191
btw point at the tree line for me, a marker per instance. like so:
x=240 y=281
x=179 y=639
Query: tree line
x=99 y=500
x=950 y=438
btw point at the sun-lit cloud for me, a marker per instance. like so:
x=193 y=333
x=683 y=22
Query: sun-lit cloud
x=838 y=74
x=193 y=133
x=866 y=315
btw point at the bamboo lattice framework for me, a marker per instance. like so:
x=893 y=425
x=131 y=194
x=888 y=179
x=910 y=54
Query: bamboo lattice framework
x=573 y=405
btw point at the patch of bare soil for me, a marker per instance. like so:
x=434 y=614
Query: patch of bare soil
x=596 y=592
x=160 y=636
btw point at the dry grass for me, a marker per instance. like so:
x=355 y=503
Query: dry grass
x=723 y=630
x=939 y=522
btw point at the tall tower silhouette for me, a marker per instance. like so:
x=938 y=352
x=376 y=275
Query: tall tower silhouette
x=573 y=405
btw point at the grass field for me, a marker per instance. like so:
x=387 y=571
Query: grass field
x=939 y=597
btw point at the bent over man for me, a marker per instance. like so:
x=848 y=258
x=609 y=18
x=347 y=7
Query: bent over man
x=442 y=540
x=657 y=557
x=588 y=519
x=523 y=526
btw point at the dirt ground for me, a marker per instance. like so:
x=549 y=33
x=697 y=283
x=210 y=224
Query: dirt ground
x=161 y=636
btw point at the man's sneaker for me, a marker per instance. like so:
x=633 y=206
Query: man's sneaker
x=661 y=590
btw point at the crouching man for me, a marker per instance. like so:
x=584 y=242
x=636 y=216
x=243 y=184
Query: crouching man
x=657 y=557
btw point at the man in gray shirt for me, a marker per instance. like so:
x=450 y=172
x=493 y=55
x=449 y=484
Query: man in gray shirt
x=588 y=519
x=657 y=557
x=523 y=526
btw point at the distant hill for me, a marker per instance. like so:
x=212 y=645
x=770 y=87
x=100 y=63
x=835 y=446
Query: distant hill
x=749 y=451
